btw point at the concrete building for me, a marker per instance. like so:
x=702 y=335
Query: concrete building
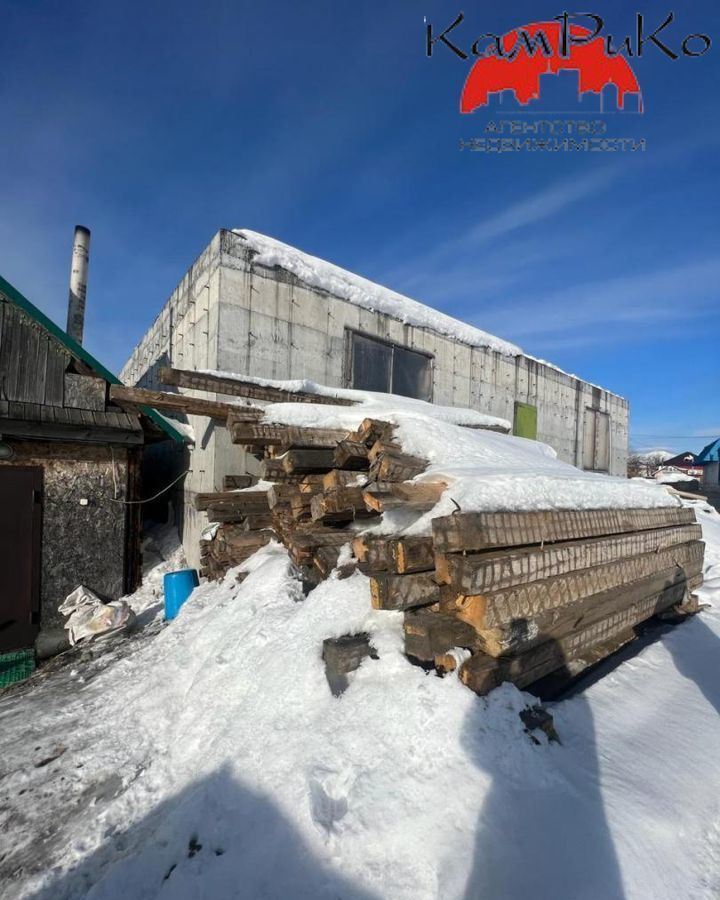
x=256 y=307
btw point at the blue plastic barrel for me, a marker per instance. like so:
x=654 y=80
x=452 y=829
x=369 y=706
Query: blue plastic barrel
x=178 y=586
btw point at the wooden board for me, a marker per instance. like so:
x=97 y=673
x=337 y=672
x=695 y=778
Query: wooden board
x=351 y=455
x=397 y=467
x=521 y=634
x=482 y=673
x=429 y=633
x=283 y=436
x=380 y=500
x=274 y=470
x=411 y=554
x=526 y=601
x=338 y=478
x=479 y=573
x=480 y=531
x=344 y=503
x=195 y=406
x=403 y=591
x=371 y=550
x=249 y=500
x=372 y=430
x=202 y=381
x=304 y=461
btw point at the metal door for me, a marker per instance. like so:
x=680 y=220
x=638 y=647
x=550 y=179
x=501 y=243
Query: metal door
x=20 y=510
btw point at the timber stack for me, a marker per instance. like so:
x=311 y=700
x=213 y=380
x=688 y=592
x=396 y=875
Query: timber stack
x=500 y=596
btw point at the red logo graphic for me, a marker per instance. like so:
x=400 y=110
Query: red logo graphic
x=535 y=50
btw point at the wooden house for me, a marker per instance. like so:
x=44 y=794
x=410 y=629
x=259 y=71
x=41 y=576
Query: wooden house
x=69 y=476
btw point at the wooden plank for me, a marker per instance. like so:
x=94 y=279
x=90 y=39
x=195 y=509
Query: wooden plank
x=411 y=554
x=521 y=634
x=482 y=673
x=281 y=493
x=372 y=430
x=429 y=633
x=480 y=531
x=351 y=455
x=383 y=446
x=380 y=499
x=403 y=591
x=325 y=559
x=397 y=467
x=304 y=461
x=303 y=546
x=339 y=478
x=251 y=520
x=336 y=501
x=285 y=436
x=419 y=491
x=371 y=550
x=527 y=601
x=479 y=573
x=220 y=384
x=237 y=499
x=342 y=656
x=137 y=397
x=57 y=362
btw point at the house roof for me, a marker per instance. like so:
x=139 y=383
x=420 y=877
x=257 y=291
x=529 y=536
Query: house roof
x=711 y=453
x=687 y=458
x=79 y=352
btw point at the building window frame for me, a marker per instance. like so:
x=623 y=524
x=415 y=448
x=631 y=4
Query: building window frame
x=351 y=333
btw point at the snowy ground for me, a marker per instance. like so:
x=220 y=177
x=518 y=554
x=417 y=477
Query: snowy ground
x=208 y=759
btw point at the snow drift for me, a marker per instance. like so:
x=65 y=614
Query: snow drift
x=224 y=767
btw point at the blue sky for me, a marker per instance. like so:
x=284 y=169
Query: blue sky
x=326 y=126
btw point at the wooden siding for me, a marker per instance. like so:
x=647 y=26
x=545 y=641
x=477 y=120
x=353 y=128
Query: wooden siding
x=34 y=380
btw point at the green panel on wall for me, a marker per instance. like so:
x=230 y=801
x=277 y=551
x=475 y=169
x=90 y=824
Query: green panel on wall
x=525 y=424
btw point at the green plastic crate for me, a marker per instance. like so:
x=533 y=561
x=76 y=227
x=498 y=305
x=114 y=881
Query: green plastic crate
x=16 y=666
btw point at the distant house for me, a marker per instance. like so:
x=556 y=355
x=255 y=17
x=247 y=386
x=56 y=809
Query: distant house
x=69 y=476
x=709 y=459
x=254 y=306
x=686 y=462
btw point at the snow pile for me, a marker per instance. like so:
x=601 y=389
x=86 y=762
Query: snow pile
x=485 y=470
x=318 y=273
x=667 y=476
x=214 y=762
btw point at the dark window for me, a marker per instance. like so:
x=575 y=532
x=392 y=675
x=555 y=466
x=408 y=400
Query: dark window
x=390 y=369
x=372 y=364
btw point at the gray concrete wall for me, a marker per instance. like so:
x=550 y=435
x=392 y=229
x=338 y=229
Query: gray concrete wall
x=230 y=314
x=273 y=326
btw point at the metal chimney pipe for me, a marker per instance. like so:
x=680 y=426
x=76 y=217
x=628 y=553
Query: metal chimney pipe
x=78 y=283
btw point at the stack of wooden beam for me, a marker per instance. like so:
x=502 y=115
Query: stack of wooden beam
x=325 y=484
x=535 y=593
x=503 y=596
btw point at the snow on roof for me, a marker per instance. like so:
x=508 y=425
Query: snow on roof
x=339 y=282
x=326 y=276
